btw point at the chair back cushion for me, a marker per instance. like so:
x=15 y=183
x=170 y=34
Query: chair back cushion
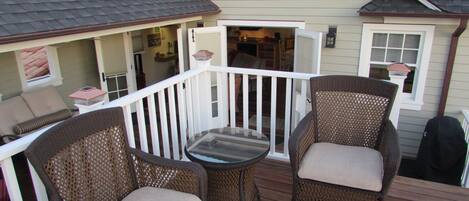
x=12 y=112
x=350 y=110
x=85 y=158
x=44 y=101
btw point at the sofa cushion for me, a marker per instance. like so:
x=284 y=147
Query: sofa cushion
x=12 y=112
x=39 y=122
x=44 y=101
x=356 y=167
x=160 y=194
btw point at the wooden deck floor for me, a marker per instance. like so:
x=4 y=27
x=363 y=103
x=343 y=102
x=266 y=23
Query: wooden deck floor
x=274 y=181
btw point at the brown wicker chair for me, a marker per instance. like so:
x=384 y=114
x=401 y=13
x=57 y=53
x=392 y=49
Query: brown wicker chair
x=88 y=158
x=350 y=111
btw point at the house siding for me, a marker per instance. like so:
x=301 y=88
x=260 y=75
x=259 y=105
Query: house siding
x=78 y=67
x=344 y=58
x=10 y=84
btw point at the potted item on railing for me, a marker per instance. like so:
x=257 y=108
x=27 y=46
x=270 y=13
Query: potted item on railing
x=3 y=189
x=88 y=99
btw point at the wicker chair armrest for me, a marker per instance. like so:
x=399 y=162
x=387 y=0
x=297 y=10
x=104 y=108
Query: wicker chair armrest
x=391 y=153
x=159 y=172
x=300 y=140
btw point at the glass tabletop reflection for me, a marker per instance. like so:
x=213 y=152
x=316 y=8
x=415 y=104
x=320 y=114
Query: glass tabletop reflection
x=227 y=145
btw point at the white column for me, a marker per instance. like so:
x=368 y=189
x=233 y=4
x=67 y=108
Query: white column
x=203 y=59
x=399 y=80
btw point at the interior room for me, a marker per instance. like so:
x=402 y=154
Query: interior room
x=266 y=48
x=261 y=47
x=155 y=54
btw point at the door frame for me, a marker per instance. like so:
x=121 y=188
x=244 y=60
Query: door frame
x=263 y=23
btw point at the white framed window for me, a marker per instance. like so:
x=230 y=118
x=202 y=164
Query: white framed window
x=38 y=67
x=384 y=44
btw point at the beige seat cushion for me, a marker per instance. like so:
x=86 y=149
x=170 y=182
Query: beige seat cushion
x=356 y=167
x=159 y=194
x=44 y=101
x=12 y=112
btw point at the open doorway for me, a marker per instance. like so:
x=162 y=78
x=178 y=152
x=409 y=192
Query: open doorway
x=155 y=53
x=268 y=48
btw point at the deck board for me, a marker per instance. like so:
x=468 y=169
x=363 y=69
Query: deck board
x=274 y=181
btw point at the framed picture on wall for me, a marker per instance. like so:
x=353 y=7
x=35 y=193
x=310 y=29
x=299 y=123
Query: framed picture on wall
x=154 y=40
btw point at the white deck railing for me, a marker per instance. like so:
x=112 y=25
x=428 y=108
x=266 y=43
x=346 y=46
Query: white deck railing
x=173 y=110
x=465 y=126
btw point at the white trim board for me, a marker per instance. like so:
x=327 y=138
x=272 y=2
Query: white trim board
x=412 y=101
x=262 y=23
x=89 y=35
x=421 y=21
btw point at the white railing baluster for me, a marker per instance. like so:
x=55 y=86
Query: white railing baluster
x=39 y=188
x=164 y=124
x=465 y=125
x=220 y=102
x=182 y=115
x=155 y=139
x=142 y=128
x=224 y=96
x=196 y=105
x=245 y=101
x=129 y=125
x=232 y=100
x=173 y=122
x=259 y=104
x=273 y=114
x=190 y=114
x=303 y=99
x=11 y=181
x=286 y=134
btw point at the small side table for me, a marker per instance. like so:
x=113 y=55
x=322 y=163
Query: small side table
x=229 y=156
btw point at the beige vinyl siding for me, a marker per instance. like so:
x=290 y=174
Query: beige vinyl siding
x=77 y=61
x=344 y=58
x=10 y=84
x=113 y=54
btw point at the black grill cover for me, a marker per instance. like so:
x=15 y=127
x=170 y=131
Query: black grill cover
x=442 y=151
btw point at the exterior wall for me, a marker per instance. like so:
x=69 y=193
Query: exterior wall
x=10 y=83
x=77 y=64
x=344 y=59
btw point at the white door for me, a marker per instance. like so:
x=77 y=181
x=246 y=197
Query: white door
x=307 y=60
x=213 y=97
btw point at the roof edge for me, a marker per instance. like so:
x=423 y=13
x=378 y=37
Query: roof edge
x=430 y=5
x=430 y=15
x=78 y=30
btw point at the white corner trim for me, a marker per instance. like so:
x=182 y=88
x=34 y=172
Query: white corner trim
x=410 y=101
x=262 y=23
x=430 y=5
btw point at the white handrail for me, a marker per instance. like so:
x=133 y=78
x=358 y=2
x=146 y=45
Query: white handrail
x=261 y=72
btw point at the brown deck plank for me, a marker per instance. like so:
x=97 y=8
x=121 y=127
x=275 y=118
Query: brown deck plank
x=274 y=181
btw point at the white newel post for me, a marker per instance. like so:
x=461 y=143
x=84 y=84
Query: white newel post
x=397 y=74
x=203 y=59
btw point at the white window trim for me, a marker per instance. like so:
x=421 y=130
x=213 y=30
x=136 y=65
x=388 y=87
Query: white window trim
x=409 y=101
x=55 y=77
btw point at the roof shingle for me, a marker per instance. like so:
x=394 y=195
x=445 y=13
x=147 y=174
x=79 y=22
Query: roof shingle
x=414 y=7
x=26 y=17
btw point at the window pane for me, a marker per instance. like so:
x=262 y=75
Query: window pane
x=395 y=40
x=214 y=109
x=409 y=81
x=113 y=96
x=410 y=56
x=379 y=72
x=412 y=41
x=35 y=63
x=214 y=93
x=393 y=55
x=377 y=54
x=379 y=39
x=111 y=84
x=123 y=93
x=122 y=81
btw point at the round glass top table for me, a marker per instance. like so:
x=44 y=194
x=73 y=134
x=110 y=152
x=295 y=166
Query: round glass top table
x=229 y=156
